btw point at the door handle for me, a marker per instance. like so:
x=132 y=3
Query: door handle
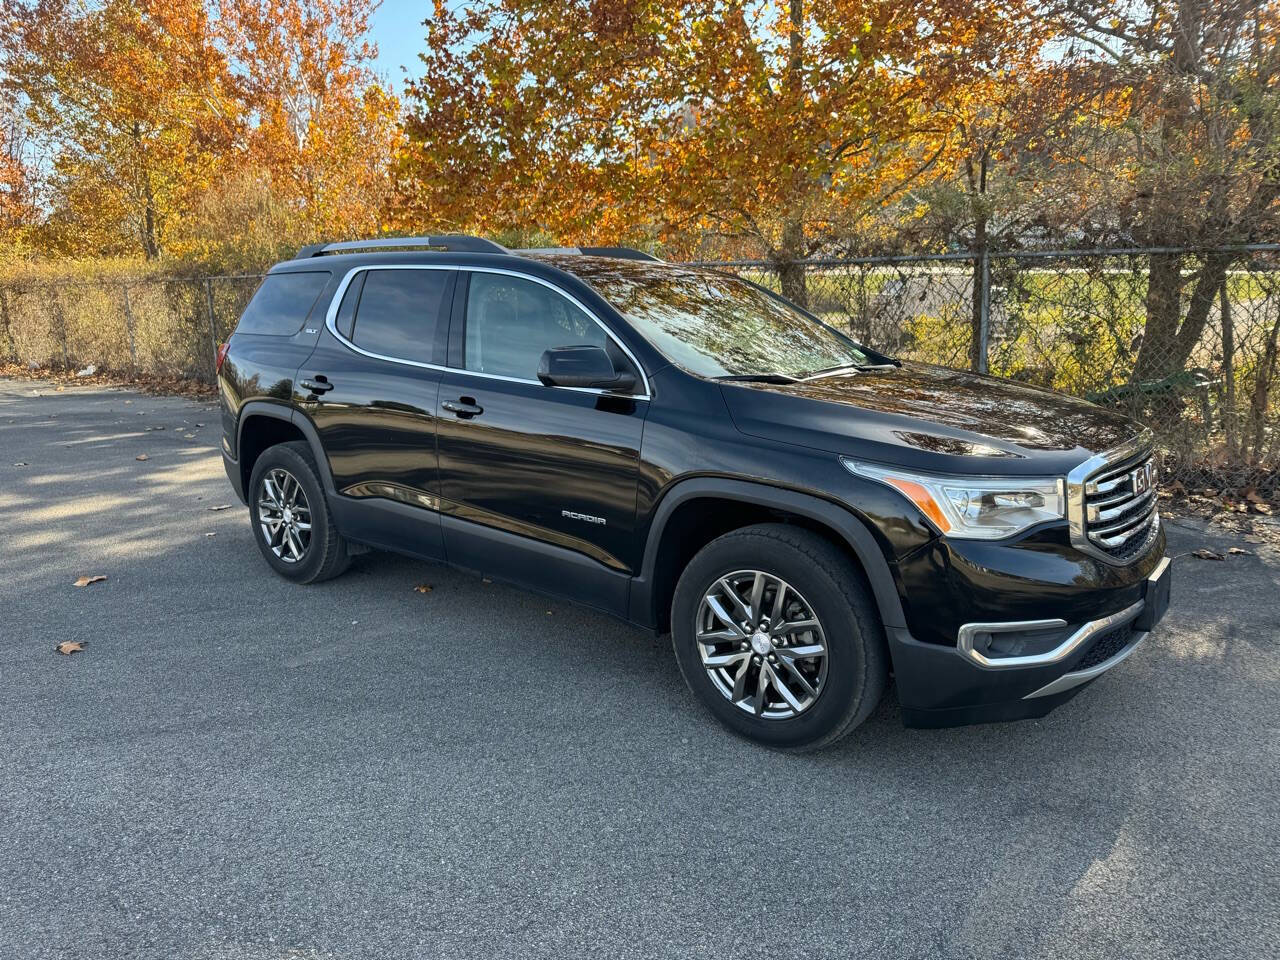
x=463 y=407
x=320 y=384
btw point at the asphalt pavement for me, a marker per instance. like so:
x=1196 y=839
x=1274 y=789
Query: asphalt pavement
x=237 y=768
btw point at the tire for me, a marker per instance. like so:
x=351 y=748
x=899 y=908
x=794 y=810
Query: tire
x=324 y=553
x=844 y=684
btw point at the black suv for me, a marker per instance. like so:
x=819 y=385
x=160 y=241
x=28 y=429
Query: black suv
x=689 y=451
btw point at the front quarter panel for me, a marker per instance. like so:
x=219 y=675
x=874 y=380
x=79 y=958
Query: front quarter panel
x=690 y=434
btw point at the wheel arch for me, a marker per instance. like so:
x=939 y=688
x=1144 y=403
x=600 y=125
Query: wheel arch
x=717 y=505
x=263 y=425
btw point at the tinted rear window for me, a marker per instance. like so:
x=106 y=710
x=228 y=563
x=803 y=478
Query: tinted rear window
x=282 y=303
x=398 y=312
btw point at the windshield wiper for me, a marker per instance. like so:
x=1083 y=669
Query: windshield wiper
x=838 y=368
x=757 y=378
x=846 y=367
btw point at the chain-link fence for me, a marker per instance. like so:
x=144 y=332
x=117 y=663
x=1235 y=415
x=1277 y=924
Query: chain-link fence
x=1183 y=340
x=161 y=326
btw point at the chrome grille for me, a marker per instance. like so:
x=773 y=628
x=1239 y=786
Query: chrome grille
x=1119 y=507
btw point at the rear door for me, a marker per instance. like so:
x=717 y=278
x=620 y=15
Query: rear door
x=372 y=396
x=538 y=483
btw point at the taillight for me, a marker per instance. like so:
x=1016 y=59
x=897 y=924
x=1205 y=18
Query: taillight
x=222 y=356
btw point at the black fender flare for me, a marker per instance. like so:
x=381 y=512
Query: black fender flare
x=843 y=521
x=278 y=411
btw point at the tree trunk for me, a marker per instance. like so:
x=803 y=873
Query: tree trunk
x=1261 y=392
x=1164 y=307
x=147 y=224
x=791 y=269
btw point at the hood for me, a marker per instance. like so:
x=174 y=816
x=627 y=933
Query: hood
x=932 y=418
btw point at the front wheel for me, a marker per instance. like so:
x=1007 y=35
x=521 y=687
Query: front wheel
x=777 y=636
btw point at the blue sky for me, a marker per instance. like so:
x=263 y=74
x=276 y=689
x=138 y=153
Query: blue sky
x=398 y=32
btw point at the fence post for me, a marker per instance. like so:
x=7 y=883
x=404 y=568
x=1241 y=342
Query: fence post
x=60 y=317
x=11 y=346
x=128 y=326
x=213 y=326
x=984 y=315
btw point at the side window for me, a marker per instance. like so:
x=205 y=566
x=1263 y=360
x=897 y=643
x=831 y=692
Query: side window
x=510 y=321
x=346 y=317
x=281 y=304
x=398 y=311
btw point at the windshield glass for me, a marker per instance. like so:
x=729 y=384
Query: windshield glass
x=716 y=325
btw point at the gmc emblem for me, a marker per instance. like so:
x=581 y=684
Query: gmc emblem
x=1143 y=479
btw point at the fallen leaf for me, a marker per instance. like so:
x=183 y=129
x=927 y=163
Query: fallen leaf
x=485 y=580
x=1240 y=551
x=211 y=533
x=68 y=647
x=22 y=463
x=142 y=456
x=85 y=581
x=424 y=588
x=1263 y=509
x=188 y=436
x=199 y=424
x=1206 y=554
x=221 y=506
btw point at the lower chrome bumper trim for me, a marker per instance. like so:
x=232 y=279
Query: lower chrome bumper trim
x=1069 y=680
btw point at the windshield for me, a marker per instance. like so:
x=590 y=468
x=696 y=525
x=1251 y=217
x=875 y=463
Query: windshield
x=717 y=325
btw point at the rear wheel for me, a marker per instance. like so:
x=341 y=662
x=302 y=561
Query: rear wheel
x=776 y=634
x=290 y=516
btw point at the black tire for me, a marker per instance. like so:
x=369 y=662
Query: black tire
x=325 y=555
x=857 y=668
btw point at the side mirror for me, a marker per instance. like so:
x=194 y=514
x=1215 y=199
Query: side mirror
x=582 y=366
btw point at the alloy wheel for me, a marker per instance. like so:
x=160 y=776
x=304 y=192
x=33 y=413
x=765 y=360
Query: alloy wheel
x=761 y=644
x=284 y=515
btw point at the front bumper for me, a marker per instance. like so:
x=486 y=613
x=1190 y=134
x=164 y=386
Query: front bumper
x=941 y=686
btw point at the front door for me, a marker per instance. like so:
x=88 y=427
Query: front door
x=553 y=470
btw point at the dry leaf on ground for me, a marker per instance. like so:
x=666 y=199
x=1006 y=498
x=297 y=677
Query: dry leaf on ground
x=68 y=647
x=142 y=456
x=221 y=506
x=85 y=581
x=424 y=588
x=1204 y=553
x=1240 y=551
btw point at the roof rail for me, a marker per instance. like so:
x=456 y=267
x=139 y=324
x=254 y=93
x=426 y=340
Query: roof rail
x=618 y=253
x=455 y=243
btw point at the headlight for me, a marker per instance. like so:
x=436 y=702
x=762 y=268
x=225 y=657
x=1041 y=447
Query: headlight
x=974 y=508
